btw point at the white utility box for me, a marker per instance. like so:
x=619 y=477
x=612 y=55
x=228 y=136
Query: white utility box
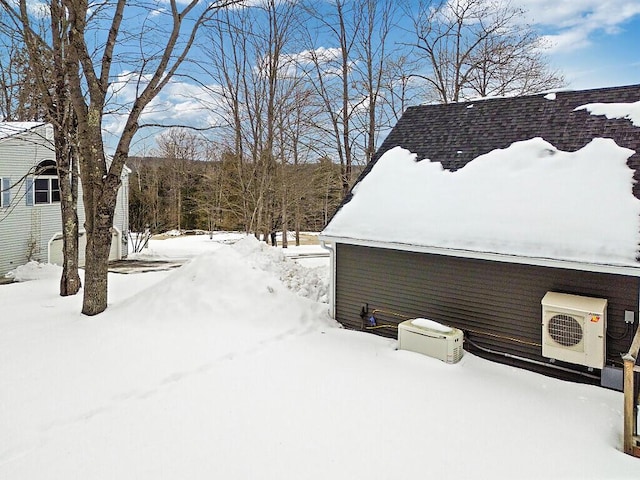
x=574 y=329
x=432 y=339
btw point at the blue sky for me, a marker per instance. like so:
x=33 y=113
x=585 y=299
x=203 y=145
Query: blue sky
x=595 y=43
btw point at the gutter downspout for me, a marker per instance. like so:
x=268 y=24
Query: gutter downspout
x=332 y=277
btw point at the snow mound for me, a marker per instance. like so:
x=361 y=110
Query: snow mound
x=431 y=325
x=34 y=271
x=229 y=283
x=306 y=282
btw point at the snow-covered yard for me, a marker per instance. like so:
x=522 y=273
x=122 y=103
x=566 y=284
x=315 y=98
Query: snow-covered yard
x=230 y=368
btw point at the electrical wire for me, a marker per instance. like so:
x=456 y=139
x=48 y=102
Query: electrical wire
x=503 y=337
x=529 y=360
x=623 y=336
x=375 y=327
x=477 y=332
x=388 y=312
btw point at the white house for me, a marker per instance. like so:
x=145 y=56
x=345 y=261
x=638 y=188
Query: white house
x=30 y=217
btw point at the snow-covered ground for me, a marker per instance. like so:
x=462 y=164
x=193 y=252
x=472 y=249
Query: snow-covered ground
x=230 y=368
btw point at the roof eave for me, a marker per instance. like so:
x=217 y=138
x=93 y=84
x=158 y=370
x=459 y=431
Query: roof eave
x=628 y=270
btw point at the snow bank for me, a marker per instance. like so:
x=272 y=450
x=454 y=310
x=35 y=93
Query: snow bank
x=529 y=199
x=306 y=282
x=34 y=271
x=217 y=370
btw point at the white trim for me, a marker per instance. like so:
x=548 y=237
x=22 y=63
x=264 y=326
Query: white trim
x=629 y=270
x=50 y=190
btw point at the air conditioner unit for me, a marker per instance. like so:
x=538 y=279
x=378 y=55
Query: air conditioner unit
x=431 y=338
x=574 y=329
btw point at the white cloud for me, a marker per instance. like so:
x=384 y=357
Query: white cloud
x=37 y=9
x=321 y=55
x=571 y=24
x=567 y=41
x=179 y=103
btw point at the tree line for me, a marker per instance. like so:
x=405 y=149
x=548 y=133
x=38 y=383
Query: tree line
x=292 y=90
x=191 y=188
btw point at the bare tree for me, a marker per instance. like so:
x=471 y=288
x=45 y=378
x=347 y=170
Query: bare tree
x=477 y=47
x=16 y=93
x=258 y=80
x=177 y=147
x=92 y=57
x=374 y=59
x=512 y=64
x=44 y=93
x=296 y=128
x=231 y=67
x=400 y=86
x=350 y=77
x=331 y=75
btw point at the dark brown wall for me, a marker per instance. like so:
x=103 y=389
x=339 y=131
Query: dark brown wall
x=493 y=297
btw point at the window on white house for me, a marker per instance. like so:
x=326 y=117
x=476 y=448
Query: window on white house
x=46 y=190
x=46 y=187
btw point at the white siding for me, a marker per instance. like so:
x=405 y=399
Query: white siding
x=25 y=231
x=23 y=228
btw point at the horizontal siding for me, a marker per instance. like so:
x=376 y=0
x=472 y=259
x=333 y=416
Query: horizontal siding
x=490 y=297
x=23 y=228
x=25 y=231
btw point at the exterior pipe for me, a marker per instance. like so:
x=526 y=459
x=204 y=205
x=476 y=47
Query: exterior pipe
x=529 y=360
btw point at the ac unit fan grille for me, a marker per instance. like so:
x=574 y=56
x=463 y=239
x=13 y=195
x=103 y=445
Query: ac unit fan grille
x=565 y=330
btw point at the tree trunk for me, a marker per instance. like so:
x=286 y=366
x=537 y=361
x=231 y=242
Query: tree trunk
x=285 y=216
x=97 y=253
x=96 y=271
x=67 y=168
x=70 y=280
x=99 y=207
x=297 y=222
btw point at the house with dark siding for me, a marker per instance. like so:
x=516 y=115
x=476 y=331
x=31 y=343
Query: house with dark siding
x=483 y=276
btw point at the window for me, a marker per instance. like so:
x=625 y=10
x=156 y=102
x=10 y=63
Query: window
x=46 y=187
x=46 y=190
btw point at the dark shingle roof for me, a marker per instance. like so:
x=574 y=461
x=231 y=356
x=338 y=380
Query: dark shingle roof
x=455 y=134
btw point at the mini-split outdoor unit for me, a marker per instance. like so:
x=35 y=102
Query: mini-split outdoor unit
x=431 y=338
x=574 y=329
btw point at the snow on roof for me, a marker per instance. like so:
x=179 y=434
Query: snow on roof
x=529 y=199
x=629 y=111
x=8 y=129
